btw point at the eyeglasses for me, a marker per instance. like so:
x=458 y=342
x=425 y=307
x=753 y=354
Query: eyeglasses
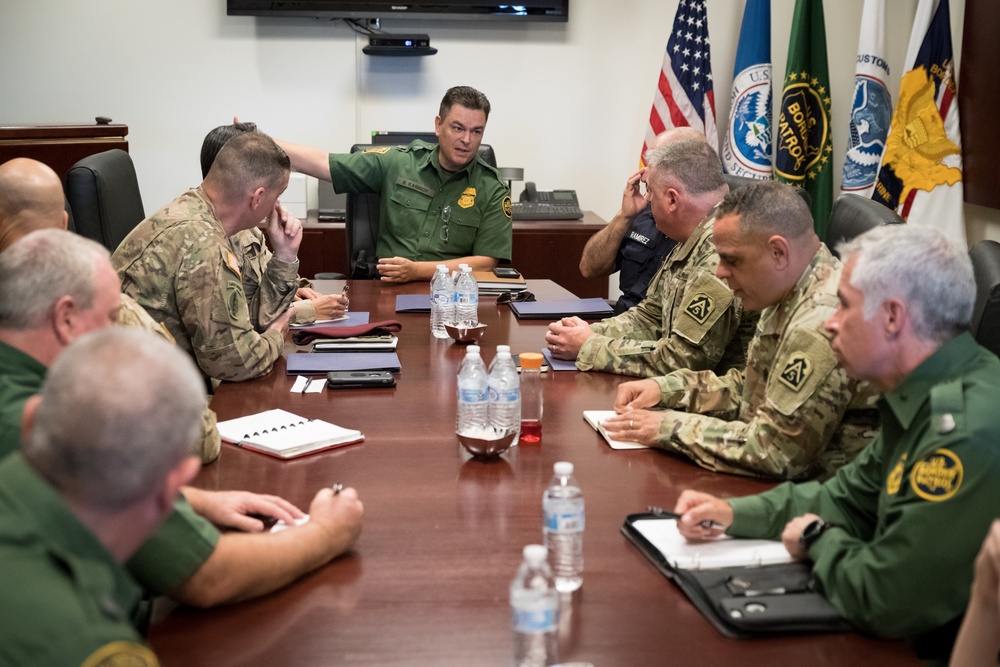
x=445 y=217
x=507 y=297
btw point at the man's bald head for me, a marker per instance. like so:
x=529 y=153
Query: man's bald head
x=31 y=198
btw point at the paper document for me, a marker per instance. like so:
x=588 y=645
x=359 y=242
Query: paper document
x=722 y=551
x=349 y=320
x=596 y=418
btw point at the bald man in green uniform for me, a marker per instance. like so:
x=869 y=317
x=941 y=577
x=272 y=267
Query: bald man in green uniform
x=439 y=203
x=894 y=535
x=95 y=479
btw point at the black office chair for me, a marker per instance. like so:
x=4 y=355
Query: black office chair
x=735 y=182
x=362 y=222
x=103 y=193
x=985 y=256
x=853 y=215
x=70 y=224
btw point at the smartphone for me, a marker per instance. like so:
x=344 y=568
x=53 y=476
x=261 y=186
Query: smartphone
x=506 y=272
x=359 y=379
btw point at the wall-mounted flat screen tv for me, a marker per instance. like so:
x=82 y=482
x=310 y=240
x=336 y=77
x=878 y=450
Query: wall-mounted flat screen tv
x=527 y=10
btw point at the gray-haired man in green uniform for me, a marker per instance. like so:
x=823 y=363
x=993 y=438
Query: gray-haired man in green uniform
x=439 y=203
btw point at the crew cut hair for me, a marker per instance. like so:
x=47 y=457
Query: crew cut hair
x=216 y=139
x=694 y=163
x=119 y=409
x=465 y=96
x=248 y=161
x=769 y=208
x=921 y=267
x=41 y=268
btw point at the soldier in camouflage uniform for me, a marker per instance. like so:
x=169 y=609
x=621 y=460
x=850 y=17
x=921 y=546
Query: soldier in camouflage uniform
x=689 y=318
x=781 y=417
x=178 y=264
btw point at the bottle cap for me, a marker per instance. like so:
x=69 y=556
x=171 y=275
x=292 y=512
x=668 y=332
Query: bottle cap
x=472 y=348
x=535 y=554
x=503 y=348
x=531 y=360
x=441 y=268
x=466 y=268
x=503 y=354
x=563 y=468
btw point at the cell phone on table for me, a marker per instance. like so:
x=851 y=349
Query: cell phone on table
x=359 y=379
x=506 y=272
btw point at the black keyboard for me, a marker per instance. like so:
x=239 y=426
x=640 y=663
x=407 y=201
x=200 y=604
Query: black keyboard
x=528 y=210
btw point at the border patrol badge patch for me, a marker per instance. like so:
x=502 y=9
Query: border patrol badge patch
x=937 y=476
x=895 y=479
x=381 y=150
x=506 y=205
x=797 y=371
x=121 y=654
x=700 y=308
x=468 y=198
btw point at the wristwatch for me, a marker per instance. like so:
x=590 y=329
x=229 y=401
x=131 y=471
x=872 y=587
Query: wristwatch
x=812 y=533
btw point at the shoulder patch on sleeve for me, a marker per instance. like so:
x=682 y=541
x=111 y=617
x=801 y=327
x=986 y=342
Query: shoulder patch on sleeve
x=121 y=654
x=705 y=300
x=381 y=150
x=233 y=264
x=803 y=362
x=937 y=476
x=506 y=205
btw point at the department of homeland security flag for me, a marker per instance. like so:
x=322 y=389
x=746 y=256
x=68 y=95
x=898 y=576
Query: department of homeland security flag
x=746 y=150
x=921 y=175
x=804 y=151
x=684 y=94
x=871 y=109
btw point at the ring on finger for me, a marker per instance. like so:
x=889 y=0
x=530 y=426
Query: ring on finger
x=630 y=423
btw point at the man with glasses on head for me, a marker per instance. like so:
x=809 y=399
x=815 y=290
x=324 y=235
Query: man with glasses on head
x=440 y=204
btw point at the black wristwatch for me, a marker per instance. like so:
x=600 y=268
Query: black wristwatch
x=812 y=533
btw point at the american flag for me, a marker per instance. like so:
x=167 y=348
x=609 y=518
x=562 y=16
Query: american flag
x=684 y=94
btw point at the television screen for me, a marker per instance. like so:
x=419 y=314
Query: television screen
x=527 y=10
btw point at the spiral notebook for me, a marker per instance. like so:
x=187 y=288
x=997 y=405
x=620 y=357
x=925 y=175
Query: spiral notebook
x=721 y=551
x=285 y=435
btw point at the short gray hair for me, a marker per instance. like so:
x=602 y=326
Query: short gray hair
x=40 y=269
x=768 y=208
x=694 y=163
x=120 y=408
x=921 y=267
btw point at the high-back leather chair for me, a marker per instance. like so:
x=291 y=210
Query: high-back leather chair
x=362 y=221
x=853 y=215
x=103 y=193
x=985 y=327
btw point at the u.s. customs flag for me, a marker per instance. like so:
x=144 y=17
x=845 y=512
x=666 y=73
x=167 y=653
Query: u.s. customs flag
x=684 y=93
x=804 y=152
x=921 y=175
x=871 y=109
x=746 y=149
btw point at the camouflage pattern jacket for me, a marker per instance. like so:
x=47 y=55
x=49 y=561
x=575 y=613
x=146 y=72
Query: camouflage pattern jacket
x=178 y=265
x=781 y=417
x=689 y=319
x=253 y=256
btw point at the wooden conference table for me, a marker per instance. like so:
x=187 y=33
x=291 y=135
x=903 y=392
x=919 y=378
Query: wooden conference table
x=427 y=583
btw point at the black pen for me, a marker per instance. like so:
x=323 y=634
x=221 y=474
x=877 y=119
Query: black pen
x=707 y=523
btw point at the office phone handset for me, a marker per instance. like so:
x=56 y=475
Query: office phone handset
x=541 y=205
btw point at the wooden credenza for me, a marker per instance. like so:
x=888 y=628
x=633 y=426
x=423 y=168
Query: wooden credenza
x=60 y=146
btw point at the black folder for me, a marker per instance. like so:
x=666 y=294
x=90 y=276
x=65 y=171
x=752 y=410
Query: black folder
x=589 y=309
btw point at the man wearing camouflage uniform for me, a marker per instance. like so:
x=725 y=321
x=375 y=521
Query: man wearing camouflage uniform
x=178 y=265
x=690 y=318
x=781 y=417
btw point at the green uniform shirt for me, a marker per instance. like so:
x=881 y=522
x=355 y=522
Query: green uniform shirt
x=912 y=510
x=689 y=319
x=64 y=601
x=178 y=265
x=783 y=416
x=414 y=189
x=174 y=552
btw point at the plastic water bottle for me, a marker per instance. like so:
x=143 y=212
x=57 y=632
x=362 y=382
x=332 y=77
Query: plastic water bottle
x=562 y=505
x=534 y=606
x=442 y=301
x=500 y=348
x=531 y=398
x=505 y=395
x=466 y=297
x=473 y=399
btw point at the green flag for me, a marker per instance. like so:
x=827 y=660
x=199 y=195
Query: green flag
x=805 y=154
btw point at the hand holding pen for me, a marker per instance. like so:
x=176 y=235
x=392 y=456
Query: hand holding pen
x=695 y=509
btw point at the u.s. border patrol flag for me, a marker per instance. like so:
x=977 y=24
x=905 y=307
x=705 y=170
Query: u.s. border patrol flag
x=871 y=109
x=921 y=175
x=804 y=154
x=684 y=92
x=746 y=150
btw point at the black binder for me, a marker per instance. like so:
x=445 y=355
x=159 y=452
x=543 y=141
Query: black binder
x=743 y=602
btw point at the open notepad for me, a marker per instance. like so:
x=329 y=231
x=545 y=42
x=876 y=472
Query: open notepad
x=721 y=551
x=285 y=435
x=596 y=418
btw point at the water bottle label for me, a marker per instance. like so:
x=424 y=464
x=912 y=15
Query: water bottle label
x=505 y=395
x=442 y=299
x=463 y=299
x=564 y=522
x=535 y=620
x=471 y=395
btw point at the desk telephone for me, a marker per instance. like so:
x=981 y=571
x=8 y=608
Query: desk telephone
x=554 y=205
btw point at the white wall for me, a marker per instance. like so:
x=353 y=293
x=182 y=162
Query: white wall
x=570 y=101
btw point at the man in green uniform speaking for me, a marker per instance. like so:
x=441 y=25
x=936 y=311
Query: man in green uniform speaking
x=439 y=204
x=113 y=441
x=893 y=536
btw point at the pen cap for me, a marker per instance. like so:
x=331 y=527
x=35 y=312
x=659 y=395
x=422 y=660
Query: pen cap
x=531 y=360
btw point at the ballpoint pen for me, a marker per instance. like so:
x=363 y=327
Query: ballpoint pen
x=707 y=523
x=337 y=488
x=343 y=293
